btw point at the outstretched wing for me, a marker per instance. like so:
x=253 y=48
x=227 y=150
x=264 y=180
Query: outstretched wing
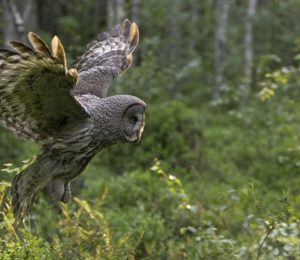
x=35 y=89
x=106 y=58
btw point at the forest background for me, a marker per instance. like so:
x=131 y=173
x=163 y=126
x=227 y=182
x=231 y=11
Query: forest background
x=217 y=174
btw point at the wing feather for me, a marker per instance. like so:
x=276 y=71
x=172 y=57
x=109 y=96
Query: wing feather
x=59 y=51
x=38 y=44
x=21 y=48
x=35 y=86
x=106 y=58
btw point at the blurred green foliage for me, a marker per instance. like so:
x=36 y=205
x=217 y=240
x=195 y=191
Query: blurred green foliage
x=207 y=181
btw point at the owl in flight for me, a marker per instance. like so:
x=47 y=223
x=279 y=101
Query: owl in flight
x=66 y=110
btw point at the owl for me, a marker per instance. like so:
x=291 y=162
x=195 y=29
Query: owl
x=66 y=111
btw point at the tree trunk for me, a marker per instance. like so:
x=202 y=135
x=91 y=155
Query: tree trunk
x=17 y=15
x=110 y=14
x=220 y=45
x=135 y=10
x=135 y=17
x=115 y=12
x=195 y=21
x=175 y=32
x=248 y=52
x=173 y=43
x=120 y=13
x=9 y=31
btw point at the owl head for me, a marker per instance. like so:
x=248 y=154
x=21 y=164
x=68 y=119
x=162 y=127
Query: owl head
x=119 y=118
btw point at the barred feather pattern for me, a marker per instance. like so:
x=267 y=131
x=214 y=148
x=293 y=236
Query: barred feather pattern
x=106 y=58
x=61 y=160
x=66 y=110
x=35 y=90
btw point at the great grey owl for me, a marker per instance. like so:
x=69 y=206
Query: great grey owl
x=66 y=110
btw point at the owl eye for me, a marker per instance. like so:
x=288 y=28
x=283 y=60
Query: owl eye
x=133 y=119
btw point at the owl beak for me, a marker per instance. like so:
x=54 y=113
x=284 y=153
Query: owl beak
x=140 y=133
x=136 y=138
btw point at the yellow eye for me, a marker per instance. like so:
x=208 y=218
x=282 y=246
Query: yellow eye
x=133 y=119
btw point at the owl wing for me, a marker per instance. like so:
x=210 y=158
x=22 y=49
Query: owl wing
x=35 y=89
x=106 y=58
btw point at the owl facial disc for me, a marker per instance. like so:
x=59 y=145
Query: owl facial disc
x=134 y=122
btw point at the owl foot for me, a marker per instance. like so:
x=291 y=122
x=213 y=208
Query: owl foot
x=67 y=195
x=59 y=190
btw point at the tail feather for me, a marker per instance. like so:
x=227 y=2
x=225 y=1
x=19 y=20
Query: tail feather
x=25 y=187
x=23 y=196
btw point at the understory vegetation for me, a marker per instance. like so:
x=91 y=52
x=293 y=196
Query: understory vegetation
x=209 y=180
x=218 y=187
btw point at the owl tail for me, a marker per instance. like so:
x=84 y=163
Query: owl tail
x=25 y=187
x=22 y=196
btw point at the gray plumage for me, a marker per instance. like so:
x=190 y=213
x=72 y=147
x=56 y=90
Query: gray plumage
x=106 y=58
x=66 y=111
